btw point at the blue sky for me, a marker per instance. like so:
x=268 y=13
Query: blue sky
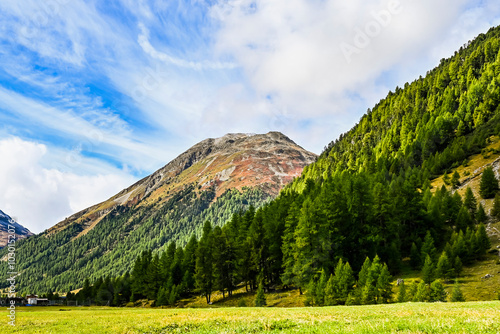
x=97 y=94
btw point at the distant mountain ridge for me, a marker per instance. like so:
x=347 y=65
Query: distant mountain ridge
x=21 y=231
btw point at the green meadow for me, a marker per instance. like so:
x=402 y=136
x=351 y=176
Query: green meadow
x=470 y=317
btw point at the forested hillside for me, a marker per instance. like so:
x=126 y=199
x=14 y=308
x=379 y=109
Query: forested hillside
x=365 y=207
x=212 y=180
x=433 y=123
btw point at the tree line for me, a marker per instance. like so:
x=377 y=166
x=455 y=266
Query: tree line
x=319 y=241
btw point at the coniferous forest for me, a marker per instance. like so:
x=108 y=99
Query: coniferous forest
x=341 y=231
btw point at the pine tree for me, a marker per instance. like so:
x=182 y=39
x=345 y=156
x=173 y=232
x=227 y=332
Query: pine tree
x=495 y=211
x=384 y=286
x=320 y=289
x=457 y=266
x=464 y=219
x=456 y=294
x=415 y=260
x=437 y=293
x=331 y=296
x=489 y=183
x=443 y=268
x=312 y=243
x=428 y=247
x=204 y=276
x=162 y=298
x=172 y=298
x=345 y=283
x=412 y=291
x=189 y=265
x=470 y=202
x=481 y=214
x=422 y=294
x=260 y=299
x=455 y=180
x=401 y=297
x=363 y=273
x=310 y=293
x=482 y=239
x=428 y=270
x=369 y=292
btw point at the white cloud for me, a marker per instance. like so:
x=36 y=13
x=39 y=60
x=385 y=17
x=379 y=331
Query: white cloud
x=40 y=197
x=94 y=130
x=292 y=51
x=249 y=66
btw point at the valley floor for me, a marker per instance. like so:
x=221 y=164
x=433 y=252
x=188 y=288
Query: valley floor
x=470 y=317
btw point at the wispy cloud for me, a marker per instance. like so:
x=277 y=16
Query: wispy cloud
x=38 y=196
x=143 y=41
x=122 y=87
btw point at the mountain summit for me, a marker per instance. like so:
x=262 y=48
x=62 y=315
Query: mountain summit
x=21 y=231
x=215 y=165
x=210 y=181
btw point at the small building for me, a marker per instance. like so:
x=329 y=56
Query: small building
x=31 y=299
x=34 y=300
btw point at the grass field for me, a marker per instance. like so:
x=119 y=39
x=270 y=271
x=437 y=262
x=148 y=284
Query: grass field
x=472 y=317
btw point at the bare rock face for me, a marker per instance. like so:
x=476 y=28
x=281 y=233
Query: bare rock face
x=7 y=222
x=237 y=160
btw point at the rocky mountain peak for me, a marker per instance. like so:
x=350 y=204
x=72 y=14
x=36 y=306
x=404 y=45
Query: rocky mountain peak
x=233 y=161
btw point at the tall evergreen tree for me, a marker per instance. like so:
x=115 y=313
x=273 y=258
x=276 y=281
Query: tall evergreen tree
x=456 y=294
x=189 y=264
x=260 y=299
x=464 y=219
x=401 y=297
x=384 y=287
x=470 y=202
x=482 y=239
x=428 y=270
x=422 y=294
x=331 y=292
x=428 y=247
x=204 y=276
x=481 y=214
x=312 y=246
x=437 y=293
x=455 y=180
x=320 y=289
x=311 y=293
x=443 y=268
x=488 y=186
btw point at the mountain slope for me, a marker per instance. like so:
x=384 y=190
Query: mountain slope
x=434 y=122
x=20 y=231
x=210 y=181
x=234 y=161
x=366 y=208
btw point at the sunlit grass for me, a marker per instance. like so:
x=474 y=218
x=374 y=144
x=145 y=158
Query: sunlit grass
x=473 y=317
